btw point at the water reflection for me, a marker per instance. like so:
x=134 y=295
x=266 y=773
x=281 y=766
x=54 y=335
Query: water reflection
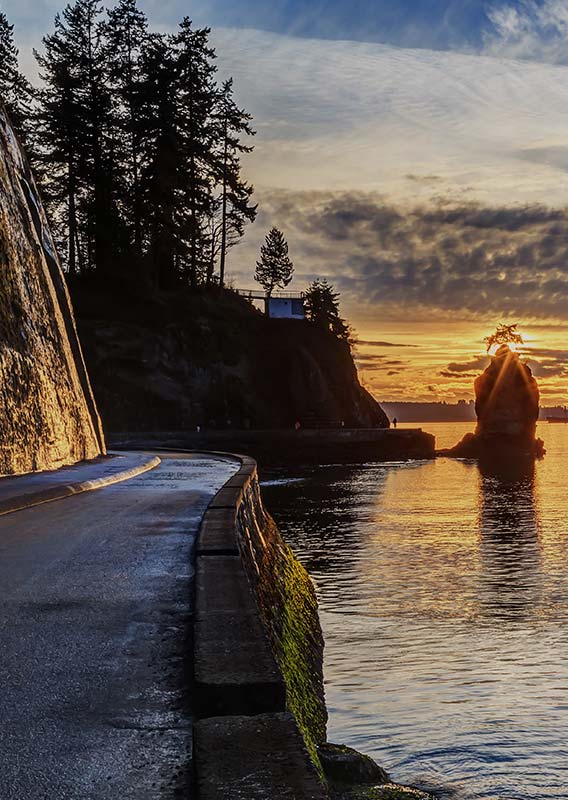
x=318 y=512
x=510 y=578
x=443 y=594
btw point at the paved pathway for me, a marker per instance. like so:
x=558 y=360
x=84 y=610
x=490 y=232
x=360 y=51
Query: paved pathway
x=95 y=609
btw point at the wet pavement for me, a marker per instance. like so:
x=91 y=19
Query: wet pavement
x=95 y=619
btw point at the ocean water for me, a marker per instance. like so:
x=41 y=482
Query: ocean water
x=444 y=601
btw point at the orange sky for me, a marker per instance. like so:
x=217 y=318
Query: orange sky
x=436 y=367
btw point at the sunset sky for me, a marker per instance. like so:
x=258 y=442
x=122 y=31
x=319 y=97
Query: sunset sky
x=415 y=154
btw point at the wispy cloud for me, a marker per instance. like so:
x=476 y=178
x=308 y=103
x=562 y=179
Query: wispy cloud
x=528 y=30
x=476 y=365
x=374 y=343
x=408 y=123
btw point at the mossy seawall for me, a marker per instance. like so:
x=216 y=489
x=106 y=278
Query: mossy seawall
x=258 y=653
x=288 y=606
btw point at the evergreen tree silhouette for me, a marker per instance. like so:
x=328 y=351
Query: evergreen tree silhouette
x=274 y=270
x=15 y=89
x=322 y=308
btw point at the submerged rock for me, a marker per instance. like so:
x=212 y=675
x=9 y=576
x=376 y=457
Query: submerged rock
x=354 y=776
x=48 y=416
x=387 y=791
x=342 y=764
x=507 y=408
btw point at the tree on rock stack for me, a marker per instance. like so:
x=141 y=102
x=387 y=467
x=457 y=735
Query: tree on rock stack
x=275 y=269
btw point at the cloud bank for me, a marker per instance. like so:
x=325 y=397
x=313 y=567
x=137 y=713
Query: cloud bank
x=426 y=261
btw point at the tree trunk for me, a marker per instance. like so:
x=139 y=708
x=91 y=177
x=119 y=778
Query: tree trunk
x=224 y=210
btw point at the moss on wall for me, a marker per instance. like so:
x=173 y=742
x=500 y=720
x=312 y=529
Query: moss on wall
x=288 y=605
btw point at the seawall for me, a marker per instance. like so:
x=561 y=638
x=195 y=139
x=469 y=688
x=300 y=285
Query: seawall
x=258 y=667
x=270 y=447
x=258 y=656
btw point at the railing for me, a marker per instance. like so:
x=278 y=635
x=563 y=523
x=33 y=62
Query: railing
x=255 y=294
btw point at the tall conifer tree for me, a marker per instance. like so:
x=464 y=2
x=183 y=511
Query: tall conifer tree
x=160 y=169
x=75 y=133
x=15 y=90
x=126 y=34
x=196 y=95
x=234 y=207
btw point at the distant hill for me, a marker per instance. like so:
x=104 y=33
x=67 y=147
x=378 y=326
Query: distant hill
x=174 y=361
x=461 y=411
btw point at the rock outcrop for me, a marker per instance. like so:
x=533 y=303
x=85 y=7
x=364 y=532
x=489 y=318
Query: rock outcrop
x=48 y=415
x=175 y=361
x=507 y=407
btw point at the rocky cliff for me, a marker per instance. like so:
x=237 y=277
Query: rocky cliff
x=175 y=361
x=49 y=417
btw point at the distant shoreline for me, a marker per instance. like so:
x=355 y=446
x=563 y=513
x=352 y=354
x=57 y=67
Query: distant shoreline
x=462 y=411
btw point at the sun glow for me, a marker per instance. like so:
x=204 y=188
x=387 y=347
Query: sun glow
x=511 y=345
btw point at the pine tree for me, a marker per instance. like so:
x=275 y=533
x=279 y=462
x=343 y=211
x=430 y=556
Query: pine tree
x=15 y=90
x=160 y=167
x=126 y=35
x=322 y=308
x=196 y=95
x=61 y=134
x=233 y=207
x=274 y=270
x=76 y=137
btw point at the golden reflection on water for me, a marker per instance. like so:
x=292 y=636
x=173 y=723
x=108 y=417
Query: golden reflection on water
x=443 y=591
x=511 y=579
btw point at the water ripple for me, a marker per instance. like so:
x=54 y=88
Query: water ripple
x=444 y=601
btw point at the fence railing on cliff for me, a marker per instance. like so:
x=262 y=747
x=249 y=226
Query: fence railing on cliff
x=256 y=294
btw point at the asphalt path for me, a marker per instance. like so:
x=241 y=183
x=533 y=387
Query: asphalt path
x=95 y=619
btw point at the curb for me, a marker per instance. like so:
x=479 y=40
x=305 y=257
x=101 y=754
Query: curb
x=30 y=499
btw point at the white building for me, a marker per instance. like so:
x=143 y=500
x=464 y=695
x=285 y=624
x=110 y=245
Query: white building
x=285 y=306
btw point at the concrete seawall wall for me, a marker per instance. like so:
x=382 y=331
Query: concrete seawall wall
x=258 y=656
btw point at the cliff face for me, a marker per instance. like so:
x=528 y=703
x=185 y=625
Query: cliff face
x=48 y=415
x=177 y=361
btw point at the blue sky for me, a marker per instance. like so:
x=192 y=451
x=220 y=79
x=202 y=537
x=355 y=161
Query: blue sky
x=432 y=24
x=412 y=23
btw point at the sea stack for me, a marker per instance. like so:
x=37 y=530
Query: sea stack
x=507 y=407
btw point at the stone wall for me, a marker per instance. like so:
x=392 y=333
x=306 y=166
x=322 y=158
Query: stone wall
x=48 y=416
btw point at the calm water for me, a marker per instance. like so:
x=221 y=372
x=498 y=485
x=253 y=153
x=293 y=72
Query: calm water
x=444 y=602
